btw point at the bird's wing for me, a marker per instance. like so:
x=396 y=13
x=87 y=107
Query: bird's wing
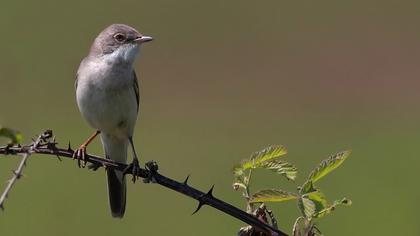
x=136 y=89
x=75 y=81
x=77 y=74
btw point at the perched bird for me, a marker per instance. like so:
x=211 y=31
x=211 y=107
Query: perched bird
x=107 y=93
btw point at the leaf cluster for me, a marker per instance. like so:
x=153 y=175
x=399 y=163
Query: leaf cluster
x=311 y=202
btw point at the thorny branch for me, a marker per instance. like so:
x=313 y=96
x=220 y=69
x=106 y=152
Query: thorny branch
x=45 y=144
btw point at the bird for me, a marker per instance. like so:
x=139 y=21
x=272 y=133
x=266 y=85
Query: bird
x=107 y=95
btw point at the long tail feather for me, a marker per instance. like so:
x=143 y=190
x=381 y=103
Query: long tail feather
x=116 y=150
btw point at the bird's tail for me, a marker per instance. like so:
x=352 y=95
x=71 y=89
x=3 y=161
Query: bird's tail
x=116 y=149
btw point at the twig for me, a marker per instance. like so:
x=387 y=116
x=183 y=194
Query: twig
x=296 y=231
x=43 y=138
x=16 y=175
x=149 y=174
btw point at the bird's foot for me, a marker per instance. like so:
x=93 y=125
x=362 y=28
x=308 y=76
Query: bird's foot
x=81 y=156
x=134 y=169
x=152 y=167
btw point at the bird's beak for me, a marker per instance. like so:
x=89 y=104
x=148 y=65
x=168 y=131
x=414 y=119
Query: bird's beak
x=143 y=39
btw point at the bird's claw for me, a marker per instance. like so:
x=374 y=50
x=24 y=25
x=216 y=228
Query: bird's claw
x=81 y=156
x=134 y=169
x=152 y=167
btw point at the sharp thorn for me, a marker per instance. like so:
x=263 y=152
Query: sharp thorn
x=2 y=207
x=17 y=174
x=69 y=147
x=210 y=192
x=186 y=180
x=200 y=204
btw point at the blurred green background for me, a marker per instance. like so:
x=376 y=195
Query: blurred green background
x=221 y=80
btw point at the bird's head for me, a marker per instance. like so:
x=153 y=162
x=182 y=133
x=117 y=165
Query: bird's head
x=119 y=43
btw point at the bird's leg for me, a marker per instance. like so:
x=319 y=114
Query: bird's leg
x=80 y=153
x=134 y=166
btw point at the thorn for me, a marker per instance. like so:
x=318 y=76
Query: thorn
x=18 y=175
x=186 y=180
x=2 y=207
x=69 y=148
x=210 y=192
x=200 y=204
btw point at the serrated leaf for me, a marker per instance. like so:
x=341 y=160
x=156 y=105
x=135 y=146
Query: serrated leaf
x=282 y=168
x=268 y=153
x=328 y=165
x=14 y=135
x=259 y=158
x=306 y=206
x=272 y=195
x=331 y=208
x=319 y=199
x=312 y=203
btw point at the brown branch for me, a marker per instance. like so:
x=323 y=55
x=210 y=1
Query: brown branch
x=48 y=147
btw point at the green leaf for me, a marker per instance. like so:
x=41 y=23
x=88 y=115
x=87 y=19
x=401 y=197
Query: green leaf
x=282 y=168
x=259 y=158
x=268 y=153
x=14 y=135
x=306 y=206
x=312 y=203
x=272 y=195
x=328 y=165
x=331 y=208
x=319 y=200
x=307 y=187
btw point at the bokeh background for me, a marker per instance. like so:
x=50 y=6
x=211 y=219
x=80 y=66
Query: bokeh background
x=221 y=80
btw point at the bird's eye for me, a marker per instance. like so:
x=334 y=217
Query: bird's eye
x=119 y=37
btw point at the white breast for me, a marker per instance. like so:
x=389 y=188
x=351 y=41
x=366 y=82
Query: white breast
x=106 y=97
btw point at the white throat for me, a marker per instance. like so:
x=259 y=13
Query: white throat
x=124 y=54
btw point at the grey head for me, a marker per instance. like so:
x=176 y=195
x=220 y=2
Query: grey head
x=118 y=43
